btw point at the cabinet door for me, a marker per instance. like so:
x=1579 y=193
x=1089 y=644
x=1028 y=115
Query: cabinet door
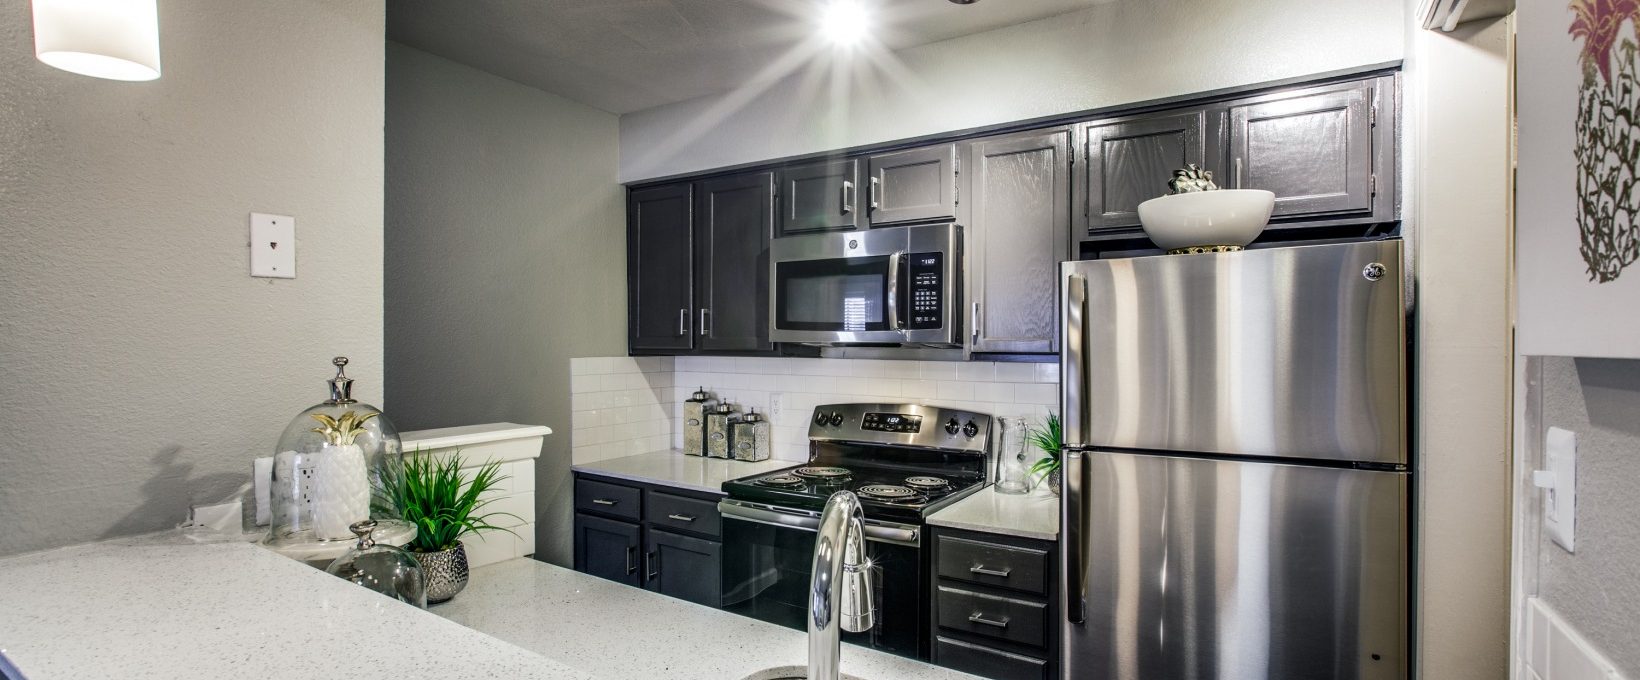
x=916 y=185
x=683 y=567
x=659 y=267
x=1315 y=151
x=1130 y=160
x=607 y=549
x=734 y=223
x=1019 y=227
x=819 y=196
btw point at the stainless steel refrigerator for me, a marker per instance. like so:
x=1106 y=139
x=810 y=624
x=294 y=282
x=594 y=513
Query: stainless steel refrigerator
x=1235 y=498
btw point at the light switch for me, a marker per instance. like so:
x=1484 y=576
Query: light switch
x=1559 y=485
x=273 y=246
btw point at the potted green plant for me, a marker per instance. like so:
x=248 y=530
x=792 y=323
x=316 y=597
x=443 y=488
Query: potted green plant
x=444 y=505
x=1050 y=438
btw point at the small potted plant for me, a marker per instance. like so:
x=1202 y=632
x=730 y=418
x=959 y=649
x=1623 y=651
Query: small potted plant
x=444 y=505
x=1050 y=438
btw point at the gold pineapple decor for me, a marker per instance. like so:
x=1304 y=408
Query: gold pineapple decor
x=342 y=431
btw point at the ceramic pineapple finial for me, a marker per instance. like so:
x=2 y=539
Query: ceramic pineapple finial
x=1190 y=179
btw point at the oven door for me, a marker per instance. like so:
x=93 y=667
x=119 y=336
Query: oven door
x=881 y=287
x=768 y=555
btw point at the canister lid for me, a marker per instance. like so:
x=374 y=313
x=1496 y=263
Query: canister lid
x=724 y=407
x=700 y=395
x=752 y=416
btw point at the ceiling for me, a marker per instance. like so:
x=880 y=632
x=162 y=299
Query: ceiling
x=629 y=55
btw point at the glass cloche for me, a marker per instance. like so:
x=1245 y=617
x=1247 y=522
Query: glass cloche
x=323 y=466
x=383 y=568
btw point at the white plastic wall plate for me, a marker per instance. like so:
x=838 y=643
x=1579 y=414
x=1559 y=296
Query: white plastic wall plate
x=273 y=246
x=1559 y=484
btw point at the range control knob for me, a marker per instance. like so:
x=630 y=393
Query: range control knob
x=820 y=418
x=970 y=429
x=836 y=419
x=951 y=426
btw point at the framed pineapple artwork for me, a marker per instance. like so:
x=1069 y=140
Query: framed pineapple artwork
x=1577 y=205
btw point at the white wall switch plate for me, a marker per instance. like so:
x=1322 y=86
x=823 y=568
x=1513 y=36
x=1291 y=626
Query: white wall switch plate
x=273 y=246
x=1559 y=485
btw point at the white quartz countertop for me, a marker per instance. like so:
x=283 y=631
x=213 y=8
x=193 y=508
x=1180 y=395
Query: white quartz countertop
x=617 y=631
x=1032 y=515
x=145 y=609
x=672 y=468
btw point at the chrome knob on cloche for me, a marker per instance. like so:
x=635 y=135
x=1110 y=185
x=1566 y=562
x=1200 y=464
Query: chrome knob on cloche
x=951 y=426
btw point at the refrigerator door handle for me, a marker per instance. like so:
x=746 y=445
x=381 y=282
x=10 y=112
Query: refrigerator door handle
x=1073 y=367
x=1072 y=564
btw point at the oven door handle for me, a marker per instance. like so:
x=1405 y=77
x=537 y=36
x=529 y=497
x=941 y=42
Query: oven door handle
x=898 y=535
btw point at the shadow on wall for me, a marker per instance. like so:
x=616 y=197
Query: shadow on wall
x=170 y=491
x=1611 y=393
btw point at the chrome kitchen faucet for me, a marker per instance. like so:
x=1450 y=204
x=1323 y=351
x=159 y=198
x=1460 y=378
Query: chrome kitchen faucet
x=847 y=579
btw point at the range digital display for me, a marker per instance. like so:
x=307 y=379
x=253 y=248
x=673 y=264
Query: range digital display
x=892 y=422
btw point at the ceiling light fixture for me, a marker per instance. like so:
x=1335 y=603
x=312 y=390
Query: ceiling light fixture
x=844 y=22
x=113 y=39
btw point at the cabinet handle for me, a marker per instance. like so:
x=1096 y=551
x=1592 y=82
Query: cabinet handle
x=872 y=191
x=681 y=518
x=605 y=501
x=979 y=618
x=654 y=560
x=632 y=559
x=703 y=327
x=683 y=321
x=848 y=197
x=982 y=569
x=974 y=321
x=1238 y=173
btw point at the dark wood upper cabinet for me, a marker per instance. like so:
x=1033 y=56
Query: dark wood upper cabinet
x=1314 y=148
x=1129 y=160
x=1018 y=188
x=820 y=196
x=735 y=220
x=915 y=185
x=660 y=267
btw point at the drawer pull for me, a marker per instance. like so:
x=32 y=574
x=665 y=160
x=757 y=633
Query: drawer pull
x=604 y=501
x=681 y=518
x=979 y=618
x=982 y=569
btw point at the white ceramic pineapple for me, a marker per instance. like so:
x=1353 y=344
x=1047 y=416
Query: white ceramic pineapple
x=341 y=480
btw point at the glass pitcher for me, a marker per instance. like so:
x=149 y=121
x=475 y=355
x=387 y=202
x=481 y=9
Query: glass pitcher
x=1013 y=470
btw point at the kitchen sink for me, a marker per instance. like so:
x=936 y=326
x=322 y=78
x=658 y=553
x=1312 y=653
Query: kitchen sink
x=787 y=673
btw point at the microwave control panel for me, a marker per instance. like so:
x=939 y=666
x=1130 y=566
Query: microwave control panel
x=927 y=274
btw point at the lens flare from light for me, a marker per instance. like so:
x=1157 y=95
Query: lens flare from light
x=844 y=22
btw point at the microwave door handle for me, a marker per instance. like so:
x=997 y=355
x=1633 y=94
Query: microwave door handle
x=893 y=294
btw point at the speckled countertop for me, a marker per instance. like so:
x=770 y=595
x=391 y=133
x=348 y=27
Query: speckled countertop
x=672 y=468
x=145 y=609
x=618 y=631
x=1032 y=515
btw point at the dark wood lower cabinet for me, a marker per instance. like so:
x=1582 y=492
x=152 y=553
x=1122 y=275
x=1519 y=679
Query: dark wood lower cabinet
x=995 y=605
x=648 y=536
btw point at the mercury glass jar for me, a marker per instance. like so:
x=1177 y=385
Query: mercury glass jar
x=694 y=421
x=323 y=465
x=751 y=437
x=383 y=568
x=720 y=430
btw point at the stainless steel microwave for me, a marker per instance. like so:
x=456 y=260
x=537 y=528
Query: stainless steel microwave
x=889 y=286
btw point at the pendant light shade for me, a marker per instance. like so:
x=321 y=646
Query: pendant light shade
x=114 y=39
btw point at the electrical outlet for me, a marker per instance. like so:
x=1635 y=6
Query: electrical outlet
x=777 y=403
x=273 y=246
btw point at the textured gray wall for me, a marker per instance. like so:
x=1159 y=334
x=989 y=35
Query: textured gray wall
x=141 y=367
x=1597 y=589
x=1106 y=55
x=506 y=256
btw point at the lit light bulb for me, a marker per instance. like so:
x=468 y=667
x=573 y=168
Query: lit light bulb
x=844 y=22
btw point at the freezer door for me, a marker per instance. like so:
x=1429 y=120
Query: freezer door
x=1193 y=568
x=1289 y=352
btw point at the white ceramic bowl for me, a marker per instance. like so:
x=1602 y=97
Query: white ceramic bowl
x=1227 y=217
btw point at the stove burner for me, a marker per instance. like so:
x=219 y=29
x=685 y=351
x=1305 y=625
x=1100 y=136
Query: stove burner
x=830 y=474
x=887 y=492
x=787 y=481
x=927 y=483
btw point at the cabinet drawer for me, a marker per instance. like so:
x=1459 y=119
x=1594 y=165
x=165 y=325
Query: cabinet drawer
x=681 y=513
x=1002 y=618
x=991 y=564
x=608 y=499
x=986 y=662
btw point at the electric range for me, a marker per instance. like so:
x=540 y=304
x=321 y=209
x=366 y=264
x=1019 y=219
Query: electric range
x=904 y=462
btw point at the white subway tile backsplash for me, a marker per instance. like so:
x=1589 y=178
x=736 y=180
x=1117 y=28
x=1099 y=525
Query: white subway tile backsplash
x=954 y=389
x=1036 y=393
x=1556 y=651
x=1009 y=371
